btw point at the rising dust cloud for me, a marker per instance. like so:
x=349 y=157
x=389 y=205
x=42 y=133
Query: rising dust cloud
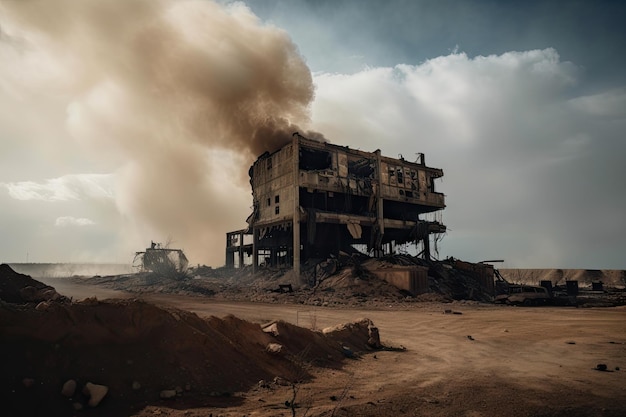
x=185 y=94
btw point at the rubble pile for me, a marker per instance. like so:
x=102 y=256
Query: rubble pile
x=347 y=281
x=19 y=288
x=121 y=355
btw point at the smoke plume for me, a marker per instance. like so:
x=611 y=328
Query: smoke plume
x=183 y=94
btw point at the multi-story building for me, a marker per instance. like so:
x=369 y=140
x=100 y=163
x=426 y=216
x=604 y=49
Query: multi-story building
x=313 y=199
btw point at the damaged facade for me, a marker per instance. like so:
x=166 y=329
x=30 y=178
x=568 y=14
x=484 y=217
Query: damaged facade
x=327 y=198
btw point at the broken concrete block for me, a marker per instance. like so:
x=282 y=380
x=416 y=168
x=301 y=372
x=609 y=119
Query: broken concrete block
x=95 y=393
x=69 y=388
x=272 y=329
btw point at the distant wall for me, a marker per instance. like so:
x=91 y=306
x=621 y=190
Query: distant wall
x=610 y=277
x=54 y=270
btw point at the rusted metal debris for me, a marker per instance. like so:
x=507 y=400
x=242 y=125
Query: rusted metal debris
x=163 y=261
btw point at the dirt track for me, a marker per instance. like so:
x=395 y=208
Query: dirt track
x=487 y=361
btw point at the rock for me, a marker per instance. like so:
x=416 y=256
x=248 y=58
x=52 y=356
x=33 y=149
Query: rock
x=272 y=329
x=95 y=393
x=348 y=353
x=167 y=394
x=28 y=382
x=374 y=337
x=601 y=367
x=136 y=385
x=77 y=406
x=187 y=387
x=274 y=348
x=69 y=388
x=42 y=306
x=179 y=390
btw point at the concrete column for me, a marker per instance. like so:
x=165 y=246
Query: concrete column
x=380 y=218
x=240 y=249
x=255 y=249
x=296 y=206
x=229 y=256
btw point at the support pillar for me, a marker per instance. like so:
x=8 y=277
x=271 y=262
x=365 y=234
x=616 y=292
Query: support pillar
x=255 y=249
x=380 y=219
x=241 y=249
x=296 y=206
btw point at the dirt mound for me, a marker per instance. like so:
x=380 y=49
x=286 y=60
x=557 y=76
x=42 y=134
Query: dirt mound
x=19 y=288
x=138 y=350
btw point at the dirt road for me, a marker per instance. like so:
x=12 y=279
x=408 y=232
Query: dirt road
x=485 y=361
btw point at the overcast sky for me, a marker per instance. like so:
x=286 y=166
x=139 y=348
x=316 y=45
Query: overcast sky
x=522 y=104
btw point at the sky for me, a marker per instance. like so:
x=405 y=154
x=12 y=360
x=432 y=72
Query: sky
x=123 y=122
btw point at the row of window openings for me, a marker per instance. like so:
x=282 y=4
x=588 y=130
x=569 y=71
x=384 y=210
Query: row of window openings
x=276 y=201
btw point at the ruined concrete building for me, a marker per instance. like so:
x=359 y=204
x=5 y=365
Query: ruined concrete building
x=312 y=200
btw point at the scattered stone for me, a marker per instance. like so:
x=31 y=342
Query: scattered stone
x=448 y=311
x=28 y=382
x=274 y=348
x=470 y=337
x=95 y=393
x=348 y=353
x=167 y=394
x=617 y=368
x=570 y=342
x=333 y=398
x=601 y=367
x=281 y=381
x=136 y=385
x=69 y=388
x=272 y=329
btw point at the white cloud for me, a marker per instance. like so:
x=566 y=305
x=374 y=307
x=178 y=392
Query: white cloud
x=525 y=164
x=67 y=187
x=66 y=221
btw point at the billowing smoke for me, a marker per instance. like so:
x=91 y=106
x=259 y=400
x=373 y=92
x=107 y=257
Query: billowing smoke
x=183 y=95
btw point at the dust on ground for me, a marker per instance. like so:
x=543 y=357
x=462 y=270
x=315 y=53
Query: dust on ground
x=460 y=358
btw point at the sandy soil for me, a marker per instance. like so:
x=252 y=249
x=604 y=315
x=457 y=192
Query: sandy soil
x=486 y=361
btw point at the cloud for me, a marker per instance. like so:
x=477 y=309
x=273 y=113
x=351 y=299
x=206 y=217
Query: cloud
x=531 y=170
x=67 y=187
x=66 y=221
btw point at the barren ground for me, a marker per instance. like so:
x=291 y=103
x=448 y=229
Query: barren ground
x=487 y=361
